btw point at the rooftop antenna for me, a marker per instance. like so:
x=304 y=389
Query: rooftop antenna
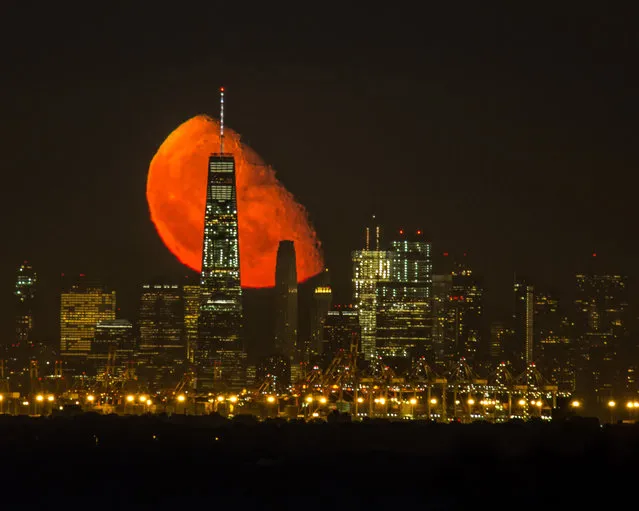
x=221 y=120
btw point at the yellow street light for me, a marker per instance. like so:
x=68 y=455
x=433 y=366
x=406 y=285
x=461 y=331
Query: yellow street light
x=90 y=398
x=39 y=398
x=539 y=404
x=233 y=399
x=270 y=399
x=533 y=402
x=149 y=402
x=360 y=399
x=220 y=398
x=433 y=401
x=611 y=404
x=322 y=400
x=413 y=401
x=471 y=401
x=575 y=404
x=50 y=398
x=181 y=398
x=142 y=398
x=382 y=401
x=1 y=397
x=522 y=402
x=309 y=399
x=130 y=398
x=636 y=404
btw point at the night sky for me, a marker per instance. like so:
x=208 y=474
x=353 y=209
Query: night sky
x=510 y=135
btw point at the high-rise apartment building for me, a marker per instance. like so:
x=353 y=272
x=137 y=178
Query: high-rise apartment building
x=404 y=314
x=83 y=304
x=219 y=357
x=25 y=295
x=286 y=302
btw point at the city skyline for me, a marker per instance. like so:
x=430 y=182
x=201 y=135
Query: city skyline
x=463 y=144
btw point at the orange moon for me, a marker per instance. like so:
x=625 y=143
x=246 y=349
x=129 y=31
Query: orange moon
x=267 y=212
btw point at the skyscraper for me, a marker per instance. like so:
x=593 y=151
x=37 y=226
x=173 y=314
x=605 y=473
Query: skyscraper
x=467 y=310
x=219 y=357
x=322 y=301
x=286 y=302
x=83 y=304
x=404 y=314
x=341 y=329
x=370 y=266
x=161 y=345
x=110 y=335
x=191 y=291
x=521 y=352
x=25 y=294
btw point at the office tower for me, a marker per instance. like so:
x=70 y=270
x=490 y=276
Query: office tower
x=219 y=355
x=286 y=302
x=114 y=342
x=191 y=292
x=466 y=309
x=498 y=331
x=322 y=302
x=444 y=321
x=521 y=352
x=370 y=266
x=161 y=345
x=25 y=295
x=601 y=324
x=83 y=304
x=404 y=317
x=341 y=330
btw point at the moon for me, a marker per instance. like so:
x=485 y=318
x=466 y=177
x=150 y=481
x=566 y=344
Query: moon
x=267 y=212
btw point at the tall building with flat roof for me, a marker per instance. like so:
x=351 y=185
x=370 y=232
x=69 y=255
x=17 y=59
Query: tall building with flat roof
x=404 y=308
x=370 y=266
x=286 y=302
x=25 y=294
x=191 y=291
x=83 y=304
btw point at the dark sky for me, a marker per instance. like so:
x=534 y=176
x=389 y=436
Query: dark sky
x=512 y=135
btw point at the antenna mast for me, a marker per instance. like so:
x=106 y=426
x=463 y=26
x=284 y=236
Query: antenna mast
x=221 y=120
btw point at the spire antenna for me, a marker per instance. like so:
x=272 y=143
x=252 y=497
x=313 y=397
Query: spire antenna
x=221 y=120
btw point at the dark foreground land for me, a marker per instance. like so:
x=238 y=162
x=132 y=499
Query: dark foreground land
x=155 y=462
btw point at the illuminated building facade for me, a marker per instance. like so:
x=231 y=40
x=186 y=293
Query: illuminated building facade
x=161 y=345
x=466 y=310
x=370 y=266
x=341 y=330
x=521 y=349
x=83 y=304
x=191 y=292
x=605 y=351
x=113 y=338
x=444 y=324
x=322 y=302
x=219 y=355
x=404 y=309
x=25 y=294
x=286 y=302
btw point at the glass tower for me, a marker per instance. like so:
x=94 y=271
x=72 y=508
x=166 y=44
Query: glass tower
x=219 y=356
x=286 y=301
